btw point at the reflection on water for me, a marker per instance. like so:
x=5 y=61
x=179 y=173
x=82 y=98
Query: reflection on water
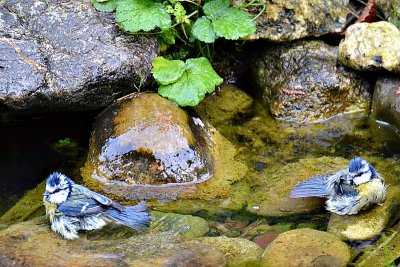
x=33 y=147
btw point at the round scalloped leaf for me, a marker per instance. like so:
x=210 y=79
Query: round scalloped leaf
x=146 y=15
x=105 y=6
x=233 y=24
x=213 y=8
x=203 y=30
x=198 y=79
x=167 y=71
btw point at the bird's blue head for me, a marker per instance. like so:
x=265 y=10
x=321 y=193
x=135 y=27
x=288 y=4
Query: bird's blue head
x=58 y=188
x=360 y=172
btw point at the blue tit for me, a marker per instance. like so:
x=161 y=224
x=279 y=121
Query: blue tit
x=72 y=207
x=348 y=191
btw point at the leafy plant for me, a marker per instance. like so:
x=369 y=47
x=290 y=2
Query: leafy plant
x=221 y=20
x=141 y=15
x=185 y=83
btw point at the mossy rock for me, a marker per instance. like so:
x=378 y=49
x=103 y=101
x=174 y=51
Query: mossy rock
x=32 y=243
x=142 y=113
x=305 y=82
x=306 y=247
x=186 y=226
x=238 y=252
x=28 y=207
x=371 y=46
x=224 y=106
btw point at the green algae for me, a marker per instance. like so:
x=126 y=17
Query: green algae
x=29 y=206
x=306 y=247
x=239 y=252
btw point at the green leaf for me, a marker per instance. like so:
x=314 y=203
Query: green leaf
x=167 y=71
x=198 y=79
x=166 y=37
x=228 y=22
x=203 y=30
x=146 y=15
x=234 y=23
x=214 y=8
x=107 y=6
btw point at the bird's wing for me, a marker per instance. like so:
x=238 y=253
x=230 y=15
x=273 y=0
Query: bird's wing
x=84 y=202
x=105 y=200
x=81 y=207
x=319 y=186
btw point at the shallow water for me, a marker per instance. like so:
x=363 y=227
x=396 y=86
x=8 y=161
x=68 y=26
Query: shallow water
x=33 y=147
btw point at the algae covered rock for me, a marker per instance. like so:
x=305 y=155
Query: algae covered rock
x=271 y=197
x=306 y=247
x=28 y=207
x=386 y=99
x=371 y=46
x=146 y=147
x=32 y=243
x=145 y=139
x=225 y=105
x=285 y=20
x=238 y=251
x=304 y=81
x=188 y=227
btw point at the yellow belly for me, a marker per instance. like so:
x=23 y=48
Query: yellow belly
x=51 y=209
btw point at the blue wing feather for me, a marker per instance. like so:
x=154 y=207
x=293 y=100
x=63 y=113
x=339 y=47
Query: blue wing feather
x=84 y=202
x=81 y=207
x=314 y=187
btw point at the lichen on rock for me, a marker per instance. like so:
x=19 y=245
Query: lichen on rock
x=305 y=82
x=371 y=46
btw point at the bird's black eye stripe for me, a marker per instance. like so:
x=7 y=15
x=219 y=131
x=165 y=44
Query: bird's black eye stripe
x=59 y=189
x=360 y=173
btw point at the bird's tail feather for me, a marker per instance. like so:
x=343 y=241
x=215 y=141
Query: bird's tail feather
x=136 y=217
x=313 y=187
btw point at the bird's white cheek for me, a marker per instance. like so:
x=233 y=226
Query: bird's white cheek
x=58 y=197
x=365 y=177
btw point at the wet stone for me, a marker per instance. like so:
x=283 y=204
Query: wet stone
x=146 y=139
x=67 y=56
x=371 y=46
x=146 y=147
x=306 y=247
x=285 y=20
x=32 y=243
x=386 y=99
x=238 y=251
x=305 y=82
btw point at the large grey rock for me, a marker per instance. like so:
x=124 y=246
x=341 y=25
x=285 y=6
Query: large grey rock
x=371 y=46
x=67 y=56
x=304 y=81
x=285 y=20
x=386 y=100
